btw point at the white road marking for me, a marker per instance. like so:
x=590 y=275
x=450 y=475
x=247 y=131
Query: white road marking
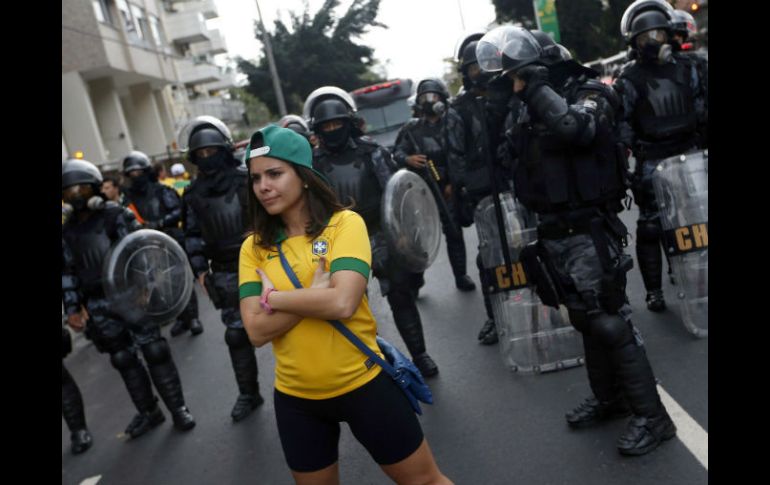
x=689 y=432
x=91 y=481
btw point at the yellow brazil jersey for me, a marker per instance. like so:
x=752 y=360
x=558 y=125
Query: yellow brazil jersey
x=314 y=360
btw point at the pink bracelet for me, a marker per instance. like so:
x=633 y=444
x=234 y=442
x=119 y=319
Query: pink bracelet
x=263 y=301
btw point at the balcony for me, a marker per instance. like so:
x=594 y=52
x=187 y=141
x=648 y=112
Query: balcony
x=186 y=27
x=191 y=73
x=216 y=45
x=227 y=110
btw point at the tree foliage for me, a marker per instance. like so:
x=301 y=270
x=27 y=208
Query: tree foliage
x=316 y=51
x=589 y=28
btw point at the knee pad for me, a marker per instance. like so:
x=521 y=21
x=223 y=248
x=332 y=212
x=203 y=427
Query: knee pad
x=610 y=330
x=123 y=359
x=648 y=231
x=156 y=352
x=237 y=337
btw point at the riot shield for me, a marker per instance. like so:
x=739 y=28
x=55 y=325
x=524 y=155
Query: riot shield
x=147 y=278
x=681 y=190
x=534 y=338
x=410 y=220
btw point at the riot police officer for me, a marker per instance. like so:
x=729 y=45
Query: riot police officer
x=569 y=171
x=434 y=147
x=214 y=224
x=295 y=123
x=94 y=226
x=665 y=113
x=158 y=206
x=358 y=169
x=478 y=172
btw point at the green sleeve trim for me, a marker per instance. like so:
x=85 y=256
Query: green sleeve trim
x=352 y=264
x=250 y=289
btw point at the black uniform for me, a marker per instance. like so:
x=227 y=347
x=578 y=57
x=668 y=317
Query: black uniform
x=570 y=171
x=665 y=113
x=443 y=144
x=215 y=217
x=86 y=238
x=160 y=207
x=361 y=170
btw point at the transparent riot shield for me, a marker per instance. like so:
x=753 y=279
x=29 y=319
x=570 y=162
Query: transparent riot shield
x=147 y=278
x=534 y=338
x=410 y=220
x=681 y=190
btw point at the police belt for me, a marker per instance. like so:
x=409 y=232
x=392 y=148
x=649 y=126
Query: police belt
x=660 y=150
x=560 y=226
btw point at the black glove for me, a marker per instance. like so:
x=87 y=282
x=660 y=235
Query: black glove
x=534 y=76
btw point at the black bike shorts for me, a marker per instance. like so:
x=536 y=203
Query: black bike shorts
x=378 y=413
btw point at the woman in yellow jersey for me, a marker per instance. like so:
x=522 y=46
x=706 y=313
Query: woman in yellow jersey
x=321 y=379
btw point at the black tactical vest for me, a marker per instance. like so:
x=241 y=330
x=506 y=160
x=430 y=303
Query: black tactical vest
x=553 y=176
x=477 y=180
x=431 y=141
x=149 y=203
x=223 y=220
x=90 y=241
x=351 y=174
x=665 y=108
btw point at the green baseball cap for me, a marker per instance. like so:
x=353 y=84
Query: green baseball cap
x=283 y=144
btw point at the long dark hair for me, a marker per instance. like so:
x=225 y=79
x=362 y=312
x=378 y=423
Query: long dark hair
x=320 y=198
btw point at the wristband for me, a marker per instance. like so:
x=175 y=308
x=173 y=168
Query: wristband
x=263 y=301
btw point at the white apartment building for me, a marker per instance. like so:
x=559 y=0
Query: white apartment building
x=133 y=72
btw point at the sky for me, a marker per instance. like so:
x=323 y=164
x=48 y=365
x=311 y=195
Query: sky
x=421 y=33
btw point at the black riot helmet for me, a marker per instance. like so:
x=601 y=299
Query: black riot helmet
x=205 y=122
x=683 y=23
x=295 y=123
x=552 y=52
x=136 y=160
x=520 y=50
x=207 y=137
x=637 y=8
x=80 y=184
x=327 y=110
x=432 y=85
x=76 y=172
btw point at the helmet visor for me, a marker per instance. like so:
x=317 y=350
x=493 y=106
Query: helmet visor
x=651 y=36
x=77 y=192
x=428 y=98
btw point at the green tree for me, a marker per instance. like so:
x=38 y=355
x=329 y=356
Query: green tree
x=516 y=11
x=316 y=51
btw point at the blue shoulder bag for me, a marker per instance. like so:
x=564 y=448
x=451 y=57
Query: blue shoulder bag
x=396 y=365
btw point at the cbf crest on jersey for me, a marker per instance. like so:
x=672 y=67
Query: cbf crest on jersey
x=320 y=247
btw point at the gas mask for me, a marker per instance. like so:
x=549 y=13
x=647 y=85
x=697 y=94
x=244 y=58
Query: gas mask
x=652 y=47
x=431 y=104
x=141 y=182
x=78 y=196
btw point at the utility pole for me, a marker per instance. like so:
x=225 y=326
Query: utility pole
x=271 y=63
x=462 y=20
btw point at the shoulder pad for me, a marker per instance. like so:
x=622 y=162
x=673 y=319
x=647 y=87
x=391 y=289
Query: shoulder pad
x=111 y=204
x=594 y=85
x=367 y=143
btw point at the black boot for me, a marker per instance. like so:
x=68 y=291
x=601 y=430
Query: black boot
x=407 y=319
x=591 y=412
x=643 y=434
x=137 y=381
x=179 y=327
x=244 y=405
x=166 y=379
x=195 y=327
x=245 y=367
x=465 y=283
x=81 y=441
x=183 y=420
x=425 y=364
x=655 y=301
x=144 y=422
x=72 y=411
x=488 y=333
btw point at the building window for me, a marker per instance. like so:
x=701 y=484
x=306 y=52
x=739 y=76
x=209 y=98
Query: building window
x=141 y=27
x=125 y=14
x=102 y=11
x=157 y=33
